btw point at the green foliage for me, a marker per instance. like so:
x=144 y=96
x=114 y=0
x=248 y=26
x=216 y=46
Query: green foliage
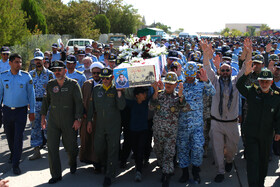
x=34 y=16
x=265 y=27
x=12 y=23
x=251 y=30
x=235 y=32
x=225 y=31
x=161 y=26
x=102 y=23
x=179 y=31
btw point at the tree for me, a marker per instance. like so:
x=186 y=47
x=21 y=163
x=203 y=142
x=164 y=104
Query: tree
x=179 y=31
x=161 y=26
x=226 y=30
x=251 y=30
x=34 y=16
x=235 y=32
x=102 y=23
x=265 y=27
x=12 y=23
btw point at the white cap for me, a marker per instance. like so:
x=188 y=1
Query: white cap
x=96 y=65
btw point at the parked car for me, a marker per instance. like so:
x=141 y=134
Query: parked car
x=80 y=42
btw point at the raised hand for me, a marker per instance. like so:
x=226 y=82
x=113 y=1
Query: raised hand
x=181 y=88
x=203 y=75
x=249 y=67
x=217 y=61
x=268 y=48
x=248 y=48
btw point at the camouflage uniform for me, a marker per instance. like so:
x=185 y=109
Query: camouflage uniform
x=40 y=83
x=207 y=100
x=190 y=130
x=166 y=108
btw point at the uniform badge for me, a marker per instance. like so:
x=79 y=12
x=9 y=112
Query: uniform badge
x=21 y=85
x=7 y=86
x=172 y=109
x=55 y=89
x=100 y=94
x=64 y=89
x=110 y=95
x=158 y=107
x=30 y=82
x=190 y=67
x=272 y=110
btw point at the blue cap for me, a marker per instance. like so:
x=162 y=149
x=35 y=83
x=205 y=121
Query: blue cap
x=89 y=47
x=5 y=49
x=38 y=55
x=71 y=59
x=173 y=55
x=190 y=69
x=54 y=45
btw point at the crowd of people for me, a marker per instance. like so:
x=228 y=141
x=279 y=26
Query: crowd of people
x=207 y=87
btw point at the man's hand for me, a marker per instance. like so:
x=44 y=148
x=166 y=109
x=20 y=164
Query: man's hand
x=119 y=91
x=277 y=137
x=4 y=183
x=248 y=68
x=248 y=48
x=217 y=61
x=268 y=48
x=89 y=127
x=43 y=122
x=207 y=51
x=31 y=117
x=181 y=89
x=76 y=125
x=203 y=75
x=155 y=87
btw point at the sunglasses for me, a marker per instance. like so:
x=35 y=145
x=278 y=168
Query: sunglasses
x=96 y=73
x=107 y=78
x=225 y=70
x=5 y=54
x=57 y=70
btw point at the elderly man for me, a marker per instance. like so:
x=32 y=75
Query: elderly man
x=108 y=122
x=87 y=153
x=263 y=118
x=87 y=61
x=63 y=100
x=224 y=111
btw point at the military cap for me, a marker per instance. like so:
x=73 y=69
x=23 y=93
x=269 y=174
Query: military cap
x=38 y=55
x=258 y=59
x=199 y=66
x=54 y=45
x=190 y=69
x=227 y=55
x=265 y=74
x=99 y=46
x=111 y=42
x=96 y=51
x=273 y=57
x=81 y=52
x=196 y=56
x=107 y=46
x=88 y=55
x=171 y=78
x=225 y=48
x=5 y=49
x=277 y=64
x=112 y=57
x=106 y=72
x=58 y=64
x=89 y=47
x=173 y=55
x=174 y=64
x=71 y=59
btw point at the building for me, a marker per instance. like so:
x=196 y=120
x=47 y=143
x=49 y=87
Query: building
x=243 y=27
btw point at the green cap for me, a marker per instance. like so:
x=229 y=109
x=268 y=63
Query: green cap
x=265 y=74
x=273 y=57
x=106 y=72
x=258 y=59
x=171 y=78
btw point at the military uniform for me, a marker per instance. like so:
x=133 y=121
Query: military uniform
x=78 y=76
x=167 y=108
x=190 y=138
x=40 y=83
x=107 y=106
x=263 y=117
x=66 y=105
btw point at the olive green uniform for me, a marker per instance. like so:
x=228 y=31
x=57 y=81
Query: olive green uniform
x=107 y=106
x=262 y=118
x=65 y=104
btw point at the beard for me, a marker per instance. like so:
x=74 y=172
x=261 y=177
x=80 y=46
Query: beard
x=264 y=89
x=225 y=78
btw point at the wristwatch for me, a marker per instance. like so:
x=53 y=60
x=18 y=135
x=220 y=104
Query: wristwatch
x=79 y=119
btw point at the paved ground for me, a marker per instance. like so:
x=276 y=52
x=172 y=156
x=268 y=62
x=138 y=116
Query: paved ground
x=36 y=173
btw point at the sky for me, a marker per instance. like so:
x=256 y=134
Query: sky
x=207 y=15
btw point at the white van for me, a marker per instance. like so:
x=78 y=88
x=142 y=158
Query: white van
x=81 y=42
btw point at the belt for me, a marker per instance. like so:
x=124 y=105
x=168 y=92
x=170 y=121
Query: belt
x=39 y=99
x=225 y=121
x=13 y=108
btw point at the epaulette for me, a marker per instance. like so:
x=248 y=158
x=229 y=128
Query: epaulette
x=256 y=87
x=25 y=72
x=79 y=72
x=98 y=85
x=276 y=92
x=4 y=72
x=160 y=91
x=180 y=81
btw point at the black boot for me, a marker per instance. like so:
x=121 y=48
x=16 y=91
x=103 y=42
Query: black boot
x=195 y=173
x=165 y=180
x=185 y=175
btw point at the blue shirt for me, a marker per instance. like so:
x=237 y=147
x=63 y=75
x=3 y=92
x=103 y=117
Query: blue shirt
x=4 y=66
x=56 y=56
x=17 y=90
x=40 y=81
x=78 y=76
x=80 y=67
x=277 y=84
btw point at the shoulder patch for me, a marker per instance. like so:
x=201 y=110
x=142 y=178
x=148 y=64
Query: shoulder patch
x=255 y=86
x=79 y=72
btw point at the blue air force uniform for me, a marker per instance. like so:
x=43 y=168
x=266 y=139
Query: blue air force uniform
x=17 y=91
x=190 y=137
x=78 y=76
x=40 y=83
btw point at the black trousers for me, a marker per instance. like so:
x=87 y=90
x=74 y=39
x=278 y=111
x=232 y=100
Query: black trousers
x=139 y=140
x=14 y=125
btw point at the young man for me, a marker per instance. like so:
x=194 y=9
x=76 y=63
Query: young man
x=167 y=105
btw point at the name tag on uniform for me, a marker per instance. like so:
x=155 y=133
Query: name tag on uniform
x=111 y=95
x=21 y=85
x=257 y=97
x=272 y=109
x=64 y=89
